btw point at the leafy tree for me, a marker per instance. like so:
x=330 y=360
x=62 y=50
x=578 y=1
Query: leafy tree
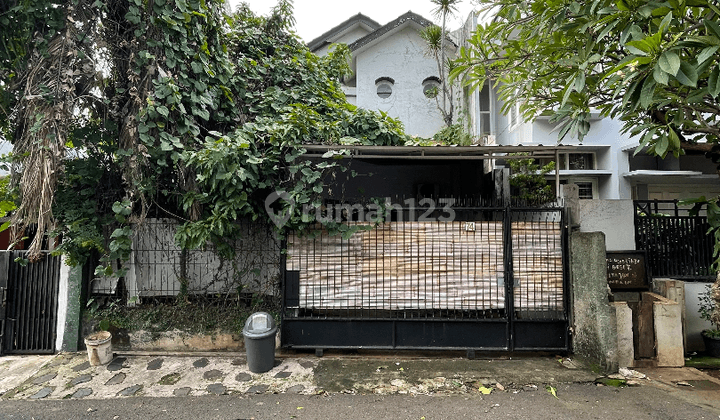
x=127 y=108
x=528 y=179
x=653 y=65
x=432 y=35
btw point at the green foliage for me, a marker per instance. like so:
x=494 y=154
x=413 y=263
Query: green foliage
x=25 y=26
x=85 y=195
x=453 y=134
x=435 y=38
x=706 y=309
x=7 y=201
x=190 y=318
x=196 y=115
x=651 y=64
x=528 y=179
x=432 y=35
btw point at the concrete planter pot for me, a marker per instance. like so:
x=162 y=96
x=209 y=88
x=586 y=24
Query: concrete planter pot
x=712 y=344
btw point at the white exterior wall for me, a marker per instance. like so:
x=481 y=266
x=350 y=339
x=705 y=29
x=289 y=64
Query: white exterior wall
x=62 y=305
x=615 y=218
x=401 y=57
x=603 y=132
x=678 y=191
x=604 y=139
x=521 y=133
x=351 y=36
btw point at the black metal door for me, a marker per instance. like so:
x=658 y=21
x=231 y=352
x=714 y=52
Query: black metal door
x=31 y=303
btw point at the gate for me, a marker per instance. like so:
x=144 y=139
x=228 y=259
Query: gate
x=28 y=315
x=676 y=242
x=492 y=278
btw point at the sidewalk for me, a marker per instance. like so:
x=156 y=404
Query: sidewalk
x=69 y=376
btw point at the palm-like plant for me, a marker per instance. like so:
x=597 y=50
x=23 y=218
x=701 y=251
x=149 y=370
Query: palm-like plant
x=443 y=9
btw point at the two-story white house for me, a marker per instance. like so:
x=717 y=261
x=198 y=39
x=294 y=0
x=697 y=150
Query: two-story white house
x=605 y=165
x=392 y=71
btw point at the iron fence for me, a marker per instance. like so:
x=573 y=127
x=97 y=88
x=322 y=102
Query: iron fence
x=30 y=303
x=677 y=242
x=160 y=270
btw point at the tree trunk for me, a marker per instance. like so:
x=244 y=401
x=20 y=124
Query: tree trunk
x=442 y=65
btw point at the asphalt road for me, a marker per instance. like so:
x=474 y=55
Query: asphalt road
x=574 y=401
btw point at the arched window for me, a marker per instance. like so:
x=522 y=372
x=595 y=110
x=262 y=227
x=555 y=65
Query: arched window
x=431 y=86
x=384 y=86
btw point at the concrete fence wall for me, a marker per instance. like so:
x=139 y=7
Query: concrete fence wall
x=594 y=320
x=615 y=218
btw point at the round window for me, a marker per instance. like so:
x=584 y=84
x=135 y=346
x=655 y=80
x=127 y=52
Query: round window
x=431 y=87
x=384 y=90
x=384 y=86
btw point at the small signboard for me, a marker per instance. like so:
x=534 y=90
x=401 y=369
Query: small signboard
x=627 y=270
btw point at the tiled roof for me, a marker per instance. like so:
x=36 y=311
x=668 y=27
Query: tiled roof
x=378 y=33
x=321 y=41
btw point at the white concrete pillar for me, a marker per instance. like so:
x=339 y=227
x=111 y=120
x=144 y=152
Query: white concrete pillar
x=62 y=303
x=667 y=316
x=626 y=346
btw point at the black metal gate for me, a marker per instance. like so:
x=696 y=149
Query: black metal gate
x=488 y=279
x=677 y=242
x=29 y=294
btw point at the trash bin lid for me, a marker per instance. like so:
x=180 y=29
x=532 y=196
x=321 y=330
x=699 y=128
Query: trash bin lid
x=259 y=324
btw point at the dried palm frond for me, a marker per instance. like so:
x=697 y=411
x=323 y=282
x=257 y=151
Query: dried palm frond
x=50 y=86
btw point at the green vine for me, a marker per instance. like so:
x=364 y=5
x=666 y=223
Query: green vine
x=197 y=115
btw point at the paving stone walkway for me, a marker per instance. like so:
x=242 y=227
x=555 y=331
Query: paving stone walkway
x=71 y=376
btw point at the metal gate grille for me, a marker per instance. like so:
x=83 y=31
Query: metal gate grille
x=677 y=243
x=471 y=283
x=31 y=312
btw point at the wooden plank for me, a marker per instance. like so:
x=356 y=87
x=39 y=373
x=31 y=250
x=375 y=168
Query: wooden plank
x=644 y=325
x=414 y=265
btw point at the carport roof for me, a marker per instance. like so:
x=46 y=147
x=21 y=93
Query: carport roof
x=439 y=152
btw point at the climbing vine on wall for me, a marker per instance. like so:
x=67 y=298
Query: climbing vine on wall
x=170 y=108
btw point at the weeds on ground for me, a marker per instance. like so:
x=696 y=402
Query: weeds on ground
x=193 y=317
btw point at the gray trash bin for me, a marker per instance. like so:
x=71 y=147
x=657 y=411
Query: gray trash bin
x=259 y=333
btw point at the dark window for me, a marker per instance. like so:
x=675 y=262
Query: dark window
x=431 y=87
x=484 y=106
x=580 y=161
x=585 y=190
x=384 y=87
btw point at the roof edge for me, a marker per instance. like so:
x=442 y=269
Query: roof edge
x=359 y=18
x=410 y=16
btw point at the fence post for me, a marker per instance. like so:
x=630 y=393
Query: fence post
x=69 y=307
x=594 y=320
x=133 y=297
x=509 y=277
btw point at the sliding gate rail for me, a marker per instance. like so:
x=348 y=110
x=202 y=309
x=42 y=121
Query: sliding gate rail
x=490 y=279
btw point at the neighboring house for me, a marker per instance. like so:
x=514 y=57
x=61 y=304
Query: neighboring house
x=606 y=166
x=392 y=70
